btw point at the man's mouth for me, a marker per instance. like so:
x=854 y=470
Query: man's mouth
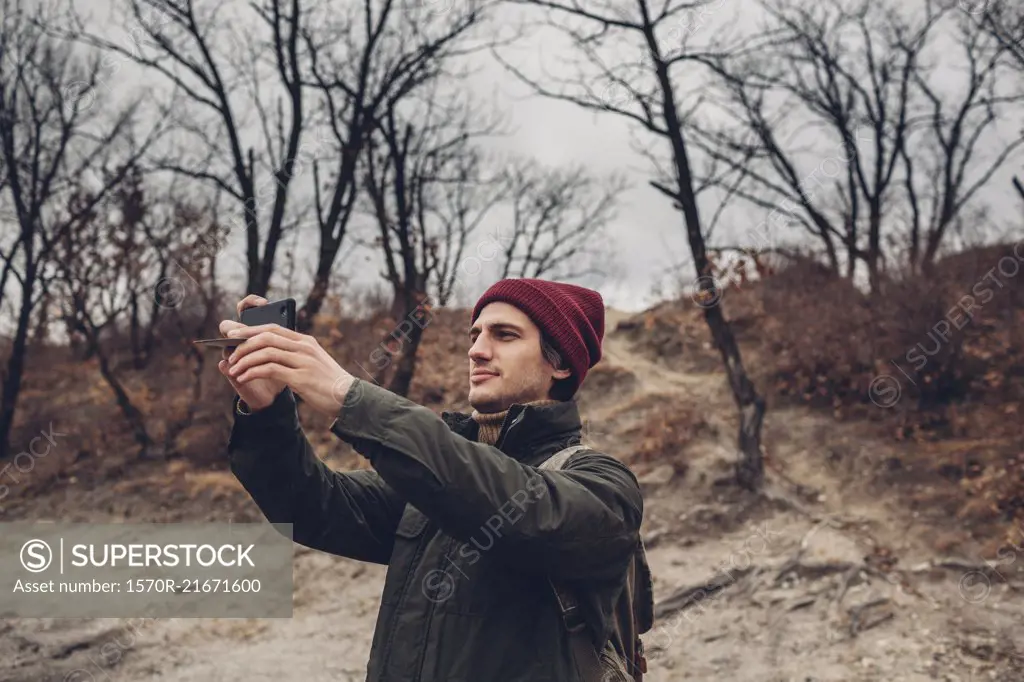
x=479 y=376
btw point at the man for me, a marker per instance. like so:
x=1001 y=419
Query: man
x=455 y=505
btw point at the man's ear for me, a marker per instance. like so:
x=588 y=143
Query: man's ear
x=559 y=374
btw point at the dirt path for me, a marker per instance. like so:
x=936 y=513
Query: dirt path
x=799 y=585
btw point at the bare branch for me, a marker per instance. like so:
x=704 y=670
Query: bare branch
x=558 y=219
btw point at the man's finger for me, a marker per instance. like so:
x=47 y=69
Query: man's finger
x=227 y=325
x=224 y=367
x=247 y=332
x=263 y=356
x=265 y=339
x=267 y=370
x=250 y=301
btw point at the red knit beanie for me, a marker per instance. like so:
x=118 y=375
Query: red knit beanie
x=571 y=316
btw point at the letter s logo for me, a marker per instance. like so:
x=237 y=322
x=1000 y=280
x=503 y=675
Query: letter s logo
x=36 y=556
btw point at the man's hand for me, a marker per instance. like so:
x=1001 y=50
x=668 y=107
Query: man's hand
x=283 y=356
x=258 y=394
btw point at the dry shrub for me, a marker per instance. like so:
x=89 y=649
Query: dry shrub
x=817 y=333
x=942 y=351
x=675 y=334
x=666 y=433
x=993 y=343
x=442 y=367
x=604 y=384
x=935 y=339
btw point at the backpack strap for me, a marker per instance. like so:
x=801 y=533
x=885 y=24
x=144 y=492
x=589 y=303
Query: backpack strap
x=587 y=659
x=556 y=461
x=583 y=652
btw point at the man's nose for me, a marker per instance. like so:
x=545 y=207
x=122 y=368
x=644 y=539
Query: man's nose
x=480 y=349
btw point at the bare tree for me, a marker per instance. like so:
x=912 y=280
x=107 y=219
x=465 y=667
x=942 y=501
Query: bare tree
x=1006 y=24
x=644 y=92
x=462 y=199
x=865 y=114
x=52 y=144
x=313 y=76
x=852 y=82
x=106 y=269
x=93 y=260
x=429 y=190
x=222 y=69
x=1005 y=21
x=959 y=128
x=377 y=57
x=558 y=222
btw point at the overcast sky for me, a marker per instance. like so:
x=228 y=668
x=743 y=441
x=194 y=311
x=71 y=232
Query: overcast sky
x=649 y=236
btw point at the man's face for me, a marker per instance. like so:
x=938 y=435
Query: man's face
x=506 y=365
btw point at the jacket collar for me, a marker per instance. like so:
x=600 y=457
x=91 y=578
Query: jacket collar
x=527 y=428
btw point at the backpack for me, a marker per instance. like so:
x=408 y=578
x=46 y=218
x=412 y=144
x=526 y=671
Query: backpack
x=621 y=658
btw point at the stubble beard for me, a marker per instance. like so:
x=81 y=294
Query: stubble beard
x=484 y=399
x=497 y=399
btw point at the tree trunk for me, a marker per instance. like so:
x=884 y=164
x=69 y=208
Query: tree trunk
x=246 y=180
x=317 y=295
x=933 y=242
x=155 y=313
x=874 y=247
x=174 y=429
x=42 y=325
x=16 y=366
x=130 y=412
x=750 y=466
x=134 y=327
x=751 y=406
x=406 y=368
x=11 y=389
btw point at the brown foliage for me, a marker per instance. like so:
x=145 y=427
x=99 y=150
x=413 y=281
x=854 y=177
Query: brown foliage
x=946 y=337
x=936 y=359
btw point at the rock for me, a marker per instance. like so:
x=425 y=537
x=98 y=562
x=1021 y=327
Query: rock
x=652 y=538
x=827 y=545
x=659 y=475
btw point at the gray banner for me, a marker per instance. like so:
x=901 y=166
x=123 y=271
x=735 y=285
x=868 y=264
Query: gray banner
x=151 y=570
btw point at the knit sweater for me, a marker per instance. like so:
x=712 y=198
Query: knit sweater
x=491 y=422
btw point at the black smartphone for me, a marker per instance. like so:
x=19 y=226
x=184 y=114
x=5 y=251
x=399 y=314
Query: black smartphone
x=276 y=312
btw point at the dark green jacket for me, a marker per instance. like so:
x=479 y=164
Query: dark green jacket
x=470 y=532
